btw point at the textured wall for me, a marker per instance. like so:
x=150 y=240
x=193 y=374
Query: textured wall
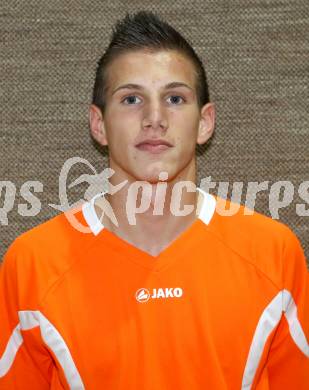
x=255 y=57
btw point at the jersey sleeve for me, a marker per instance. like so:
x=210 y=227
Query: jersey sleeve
x=288 y=360
x=21 y=362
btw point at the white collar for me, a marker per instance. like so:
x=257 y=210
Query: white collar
x=206 y=211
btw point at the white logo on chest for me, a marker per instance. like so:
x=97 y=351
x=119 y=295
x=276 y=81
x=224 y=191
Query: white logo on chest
x=143 y=295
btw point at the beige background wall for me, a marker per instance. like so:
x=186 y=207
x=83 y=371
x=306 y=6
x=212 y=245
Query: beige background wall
x=255 y=58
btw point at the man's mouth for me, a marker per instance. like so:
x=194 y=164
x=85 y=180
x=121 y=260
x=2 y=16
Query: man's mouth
x=154 y=146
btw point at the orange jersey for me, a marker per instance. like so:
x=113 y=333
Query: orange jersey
x=224 y=306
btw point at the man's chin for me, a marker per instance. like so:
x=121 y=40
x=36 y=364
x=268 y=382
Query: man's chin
x=155 y=177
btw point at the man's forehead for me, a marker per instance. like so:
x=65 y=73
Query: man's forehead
x=159 y=68
x=160 y=57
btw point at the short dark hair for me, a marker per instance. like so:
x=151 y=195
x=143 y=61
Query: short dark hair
x=145 y=31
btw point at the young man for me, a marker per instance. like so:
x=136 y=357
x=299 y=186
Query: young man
x=167 y=293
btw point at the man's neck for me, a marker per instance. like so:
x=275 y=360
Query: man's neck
x=146 y=230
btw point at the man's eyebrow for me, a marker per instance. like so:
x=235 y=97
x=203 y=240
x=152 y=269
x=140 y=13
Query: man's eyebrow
x=173 y=84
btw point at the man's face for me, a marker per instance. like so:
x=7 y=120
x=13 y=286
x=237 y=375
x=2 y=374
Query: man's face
x=138 y=116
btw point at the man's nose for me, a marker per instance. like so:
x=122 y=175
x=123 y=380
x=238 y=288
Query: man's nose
x=155 y=116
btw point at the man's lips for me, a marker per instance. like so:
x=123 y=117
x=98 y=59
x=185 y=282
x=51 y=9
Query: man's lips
x=154 y=142
x=154 y=146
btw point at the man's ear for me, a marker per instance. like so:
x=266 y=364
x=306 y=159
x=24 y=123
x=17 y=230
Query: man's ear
x=207 y=123
x=96 y=123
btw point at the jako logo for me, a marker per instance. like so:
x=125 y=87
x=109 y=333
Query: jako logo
x=143 y=295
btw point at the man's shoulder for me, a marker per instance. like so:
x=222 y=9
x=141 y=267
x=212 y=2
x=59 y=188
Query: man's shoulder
x=57 y=233
x=257 y=238
x=37 y=258
x=237 y=220
x=53 y=244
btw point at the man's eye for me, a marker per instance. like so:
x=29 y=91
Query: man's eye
x=130 y=99
x=177 y=97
